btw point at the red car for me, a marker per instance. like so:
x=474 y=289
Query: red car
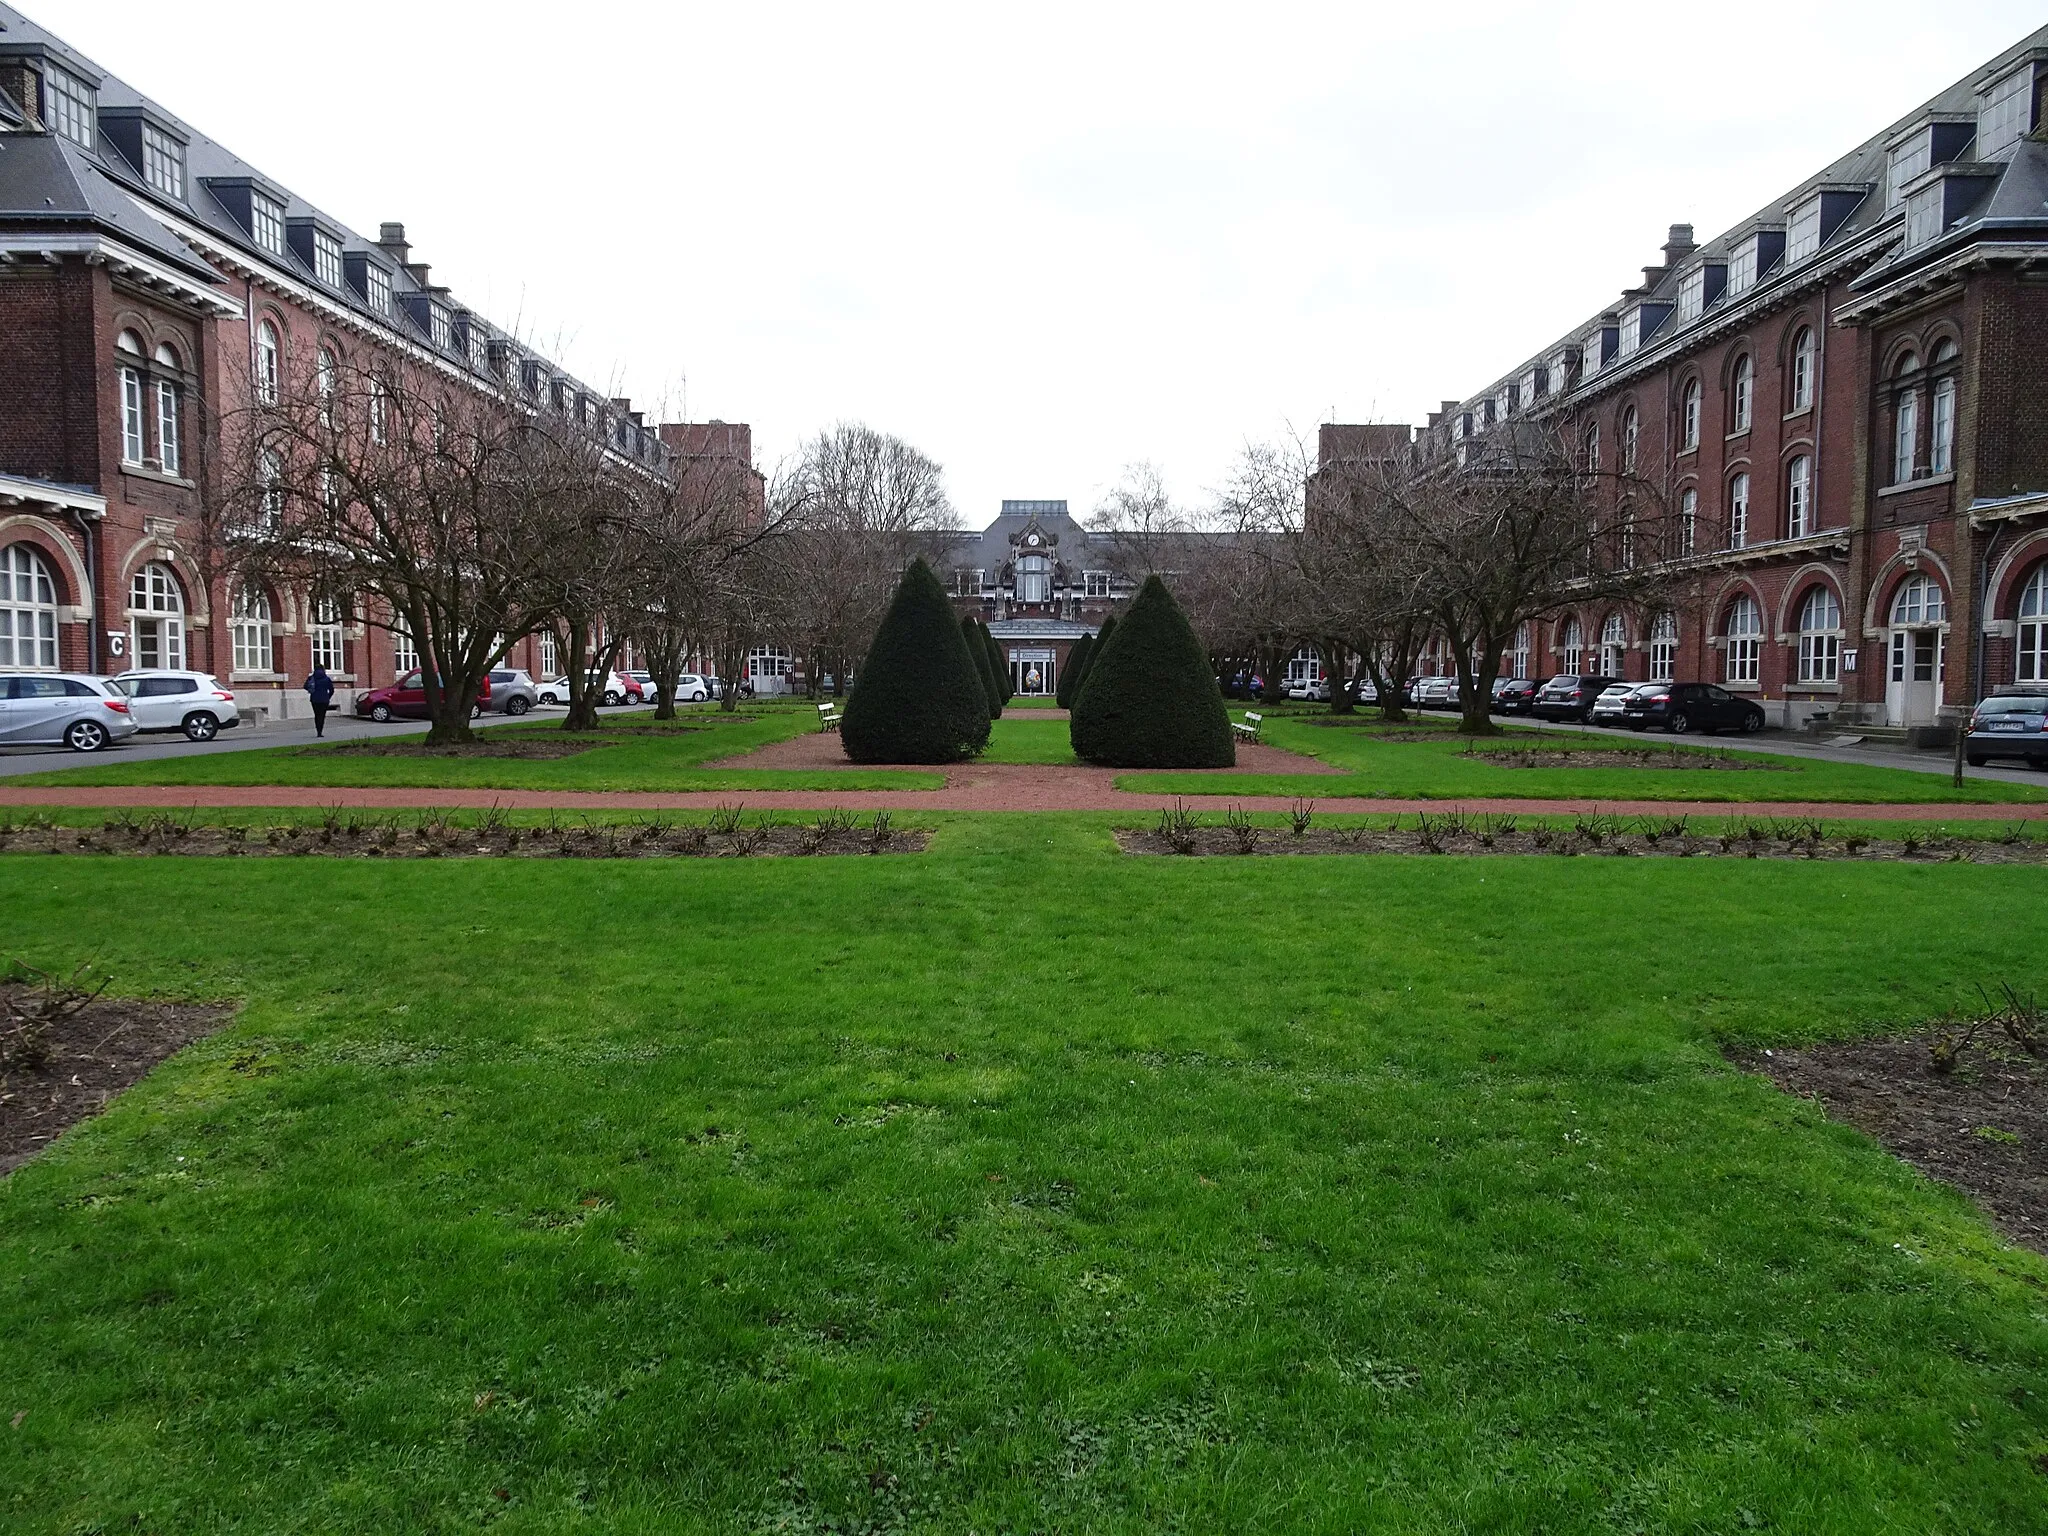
x=406 y=699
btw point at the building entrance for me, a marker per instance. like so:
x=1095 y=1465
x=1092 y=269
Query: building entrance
x=1032 y=671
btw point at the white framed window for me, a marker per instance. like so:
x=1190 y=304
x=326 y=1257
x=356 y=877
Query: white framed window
x=405 y=655
x=1923 y=215
x=249 y=625
x=170 y=441
x=549 y=664
x=1802 y=368
x=1095 y=583
x=1742 y=268
x=377 y=286
x=1593 y=447
x=2003 y=112
x=2031 y=665
x=131 y=416
x=1941 y=415
x=28 y=610
x=439 y=326
x=1034 y=579
x=266 y=222
x=1920 y=602
x=1572 y=643
x=325 y=376
x=376 y=408
x=70 y=106
x=1692 y=294
x=270 y=491
x=1799 y=497
x=1904 y=163
x=156 y=618
x=269 y=362
x=163 y=161
x=1613 y=646
x=1688 y=520
x=1664 y=647
x=1738 y=511
x=1802 y=235
x=1820 y=637
x=1519 y=660
x=1630 y=428
x=1906 y=422
x=1745 y=640
x=1740 y=397
x=327 y=634
x=1689 y=417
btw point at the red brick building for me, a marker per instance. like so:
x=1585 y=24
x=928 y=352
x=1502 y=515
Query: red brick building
x=150 y=280
x=1846 y=398
x=1040 y=581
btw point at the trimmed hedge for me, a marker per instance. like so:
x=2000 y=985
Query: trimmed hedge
x=998 y=666
x=1149 y=698
x=1101 y=639
x=1077 y=664
x=977 y=648
x=919 y=697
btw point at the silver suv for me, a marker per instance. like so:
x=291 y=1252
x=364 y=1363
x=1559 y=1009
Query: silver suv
x=196 y=703
x=73 y=709
x=512 y=691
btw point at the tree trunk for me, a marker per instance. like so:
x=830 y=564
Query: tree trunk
x=1475 y=696
x=1338 y=673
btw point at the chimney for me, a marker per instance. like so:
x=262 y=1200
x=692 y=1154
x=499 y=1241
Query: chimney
x=1678 y=244
x=21 y=82
x=391 y=241
x=419 y=272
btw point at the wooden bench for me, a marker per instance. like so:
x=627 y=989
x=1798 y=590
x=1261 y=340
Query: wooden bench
x=828 y=718
x=1248 y=728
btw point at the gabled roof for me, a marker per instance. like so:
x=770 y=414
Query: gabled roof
x=46 y=181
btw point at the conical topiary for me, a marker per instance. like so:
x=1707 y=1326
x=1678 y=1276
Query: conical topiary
x=1077 y=661
x=977 y=648
x=1149 y=699
x=998 y=668
x=1101 y=639
x=918 y=698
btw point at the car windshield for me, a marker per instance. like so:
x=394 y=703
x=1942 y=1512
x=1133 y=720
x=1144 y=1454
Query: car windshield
x=1617 y=690
x=2014 y=704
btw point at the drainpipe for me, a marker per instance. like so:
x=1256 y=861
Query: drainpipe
x=92 y=577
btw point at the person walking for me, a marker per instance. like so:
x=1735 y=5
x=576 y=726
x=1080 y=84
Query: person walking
x=320 y=689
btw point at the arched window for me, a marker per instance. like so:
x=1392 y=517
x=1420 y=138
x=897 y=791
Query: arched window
x=28 y=610
x=1799 y=497
x=129 y=345
x=1745 y=630
x=1689 y=417
x=1519 y=660
x=1802 y=368
x=1573 y=645
x=327 y=634
x=1630 y=426
x=1820 y=637
x=1906 y=419
x=156 y=618
x=1688 y=519
x=1613 y=646
x=1741 y=393
x=1919 y=602
x=249 y=623
x=2033 y=635
x=549 y=664
x=324 y=371
x=269 y=355
x=1664 y=647
x=1738 y=511
x=405 y=654
x=1941 y=415
x=1034 y=579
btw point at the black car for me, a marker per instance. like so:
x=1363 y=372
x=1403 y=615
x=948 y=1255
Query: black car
x=1569 y=697
x=1683 y=707
x=2009 y=725
x=1515 y=695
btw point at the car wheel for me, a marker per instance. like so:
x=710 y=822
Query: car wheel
x=548 y=699
x=1752 y=722
x=381 y=713
x=476 y=711
x=517 y=705
x=85 y=736
x=1680 y=722
x=200 y=726
x=1976 y=762
x=612 y=699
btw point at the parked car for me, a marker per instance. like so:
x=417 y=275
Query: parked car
x=197 y=703
x=692 y=688
x=406 y=699
x=48 y=708
x=1607 y=708
x=2009 y=725
x=512 y=692
x=1433 y=692
x=1317 y=692
x=1363 y=690
x=1569 y=697
x=617 y=690
x=1514 y=695
x=1683 y=707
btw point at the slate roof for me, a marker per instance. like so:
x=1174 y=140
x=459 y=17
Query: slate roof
x=48 y=181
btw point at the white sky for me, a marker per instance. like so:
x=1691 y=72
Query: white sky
x=1040 y=246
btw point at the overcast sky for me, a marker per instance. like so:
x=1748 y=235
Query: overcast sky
x=1046 y=244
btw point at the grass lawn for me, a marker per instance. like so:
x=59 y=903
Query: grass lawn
x=1029 y=741
x=1017 y=1185
x=669 y=761
x=1379 y=763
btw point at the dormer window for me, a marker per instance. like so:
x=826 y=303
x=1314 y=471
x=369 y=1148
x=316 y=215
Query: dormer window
x=327 y=258
x=1692 y=294
x=377 y=288
x=1755 y=256
x=70 y=106
x=1904 y=163
x=2005 y=112
x=440 y=328
x=1802 y=236
x=1631 y=331
x=163 y=161
x=266 y=223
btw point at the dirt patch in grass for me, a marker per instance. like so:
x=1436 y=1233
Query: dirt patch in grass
x=489 y=748
x=80 y=1060
x=1982 y=1127
x=1191 y=833
x=436 y=835
x=1622 y=757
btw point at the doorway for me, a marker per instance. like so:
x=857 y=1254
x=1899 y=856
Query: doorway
x=1918 y=660
x=1032 y=672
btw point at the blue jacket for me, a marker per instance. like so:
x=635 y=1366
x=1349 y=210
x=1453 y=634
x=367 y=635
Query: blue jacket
x=320 y=687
